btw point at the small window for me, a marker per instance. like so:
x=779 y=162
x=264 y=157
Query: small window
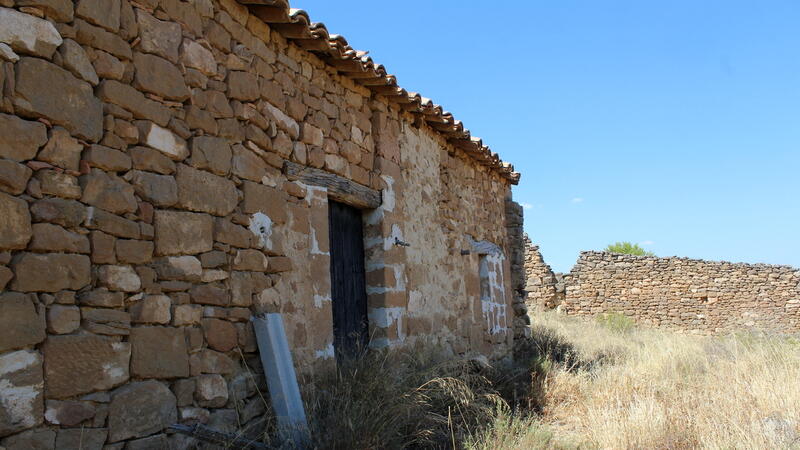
x=483 y=273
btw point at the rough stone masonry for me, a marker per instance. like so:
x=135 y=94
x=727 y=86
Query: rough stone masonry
x=146 y=213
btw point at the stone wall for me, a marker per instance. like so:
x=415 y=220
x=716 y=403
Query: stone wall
x=686 y=294
x=543 y=289
x=145 y=217
x=519 y=265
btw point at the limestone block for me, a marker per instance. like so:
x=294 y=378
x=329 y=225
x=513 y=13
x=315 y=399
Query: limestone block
x=65 y=271
x=109 y=322
x=118 y=278
x=158 y=352
x=178 y=268
x=108 y=191
x=162 y=140
x=159 y=37
x=20 y=324
x=182 y=233
x=75 y=59
x=107 y=158
x=62 y=150
x=229 y=233
x=209 y=294
x=250 y=260
x=103 y=13
x=160 y=77
x=21 y=385
x=160 y=190
x=141 y=107
x=80 y=364
x=243 y=86
x=211 y=153
x=196 y=56
x=52 y=182
x=28 y=34
x=96 y=37
x=211 y=391
x=187 y=315
x=46 y=90
x=52 y=238
x=151 y=160
x=220 y=334
x=63 y=319
x=14 y=176
x=132 y=251
x=20 y=139
x=111 y=223
x=103 y=298
x=140 y=409
x=203 y=192
x=247 y=165
x=152 y=309
x=312 y=135
x=284 y=122
x=108 y=66
x=67 y=213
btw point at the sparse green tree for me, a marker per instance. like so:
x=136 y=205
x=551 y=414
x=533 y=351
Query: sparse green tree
x=628 y=248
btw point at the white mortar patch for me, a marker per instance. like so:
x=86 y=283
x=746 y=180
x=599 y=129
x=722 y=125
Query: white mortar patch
x=261 y=226
x=326 y=353
x=15 y=361
x=389 y=199
x=19 y=402
x=320 y=300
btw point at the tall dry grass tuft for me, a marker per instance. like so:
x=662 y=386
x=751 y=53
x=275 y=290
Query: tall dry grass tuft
x=665 y=390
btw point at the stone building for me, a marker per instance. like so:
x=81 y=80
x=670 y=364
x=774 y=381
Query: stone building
x=170 y=168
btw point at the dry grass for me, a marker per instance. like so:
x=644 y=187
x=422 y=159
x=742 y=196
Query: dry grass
x=654 y=389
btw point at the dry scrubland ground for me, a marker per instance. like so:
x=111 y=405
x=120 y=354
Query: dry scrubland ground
x=604 y=384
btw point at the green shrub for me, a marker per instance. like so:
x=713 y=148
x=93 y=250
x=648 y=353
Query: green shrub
x=628 y=248
x=616 y=322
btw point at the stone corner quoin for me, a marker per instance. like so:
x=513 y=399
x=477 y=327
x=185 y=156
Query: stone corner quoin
x=166 y=173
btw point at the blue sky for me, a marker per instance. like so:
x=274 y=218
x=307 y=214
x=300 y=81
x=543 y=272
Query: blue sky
x=673 y=124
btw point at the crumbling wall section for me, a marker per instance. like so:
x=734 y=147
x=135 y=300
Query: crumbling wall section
x=686 y=294
x=543 y=289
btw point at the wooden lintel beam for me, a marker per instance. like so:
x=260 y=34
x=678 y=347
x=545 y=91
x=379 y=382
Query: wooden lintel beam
x=339 y=188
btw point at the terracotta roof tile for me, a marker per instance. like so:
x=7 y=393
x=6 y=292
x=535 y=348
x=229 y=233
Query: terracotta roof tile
x=296 y=26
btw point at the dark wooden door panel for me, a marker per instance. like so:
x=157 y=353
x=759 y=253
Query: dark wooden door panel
x=348 y=281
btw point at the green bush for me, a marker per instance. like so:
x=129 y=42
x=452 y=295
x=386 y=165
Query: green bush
x=616 y=322
x=628 y=248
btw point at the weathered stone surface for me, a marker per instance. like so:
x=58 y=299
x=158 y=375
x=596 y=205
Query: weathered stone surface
x=140 y=409
x=211 y=391
x=151 y=160
x=152 y=309
x=5 y=276
x=196 y=56
x=15 y=223
x=183 y=233
x=111 y=223
x=247 y=165
x=159 y=37
x=209 y=294
x=108 y=66
x=69 y=413
x=220 y=334
x=187 y=315
x=157 y=442
x=20 y=324
x=67 y=213
x=264 y=199
x=76 y=60
x=216 y=362
x=63 y=319
x=162 y=140
x=53 y=182
x=52 y=238
x=103 y=298
x=20 y=139
x=141 y=107
x=109 y=322
x=160 y=190
x=107 y=158
x=250 y=260
x=160 y=77
x=38 y=439
x=178 y=268
x=21 y=400
x=101 y=39
x=58 y=10
x=64 y=271
x=312 y=135
x=158 y=352
x=28 y=34
x=243 y=86
x=133 y=251
x=108 y=192
x=211 y=153
x=283 y=121
x=118 y=278
x=104 y=13
x=79 y=364
x=62 y=150
x=201 y=191
x=14 y=176
x=46 y=90
x=81 y=438
x=229 y=233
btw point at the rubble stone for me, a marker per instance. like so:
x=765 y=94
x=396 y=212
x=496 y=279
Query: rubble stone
x=80 y=364
x=21 y=390
x=182 y=233
x=152 y=309
x=28 y=34
x=159 y=37
x=15 y=223
x=140 y=409
x=52 y=238
x=108 y=191
x=63 y=319
x=62 y=150
x=211 y=391
x=65 y=271
x=118 y=278
x=20 y=139
x=203 y=192
x=14 y=176
x=220 y=334
x=77 y=61
x=160 y=77
x=20 y=324
x=158 y=352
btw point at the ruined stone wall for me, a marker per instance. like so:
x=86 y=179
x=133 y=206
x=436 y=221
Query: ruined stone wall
x=145 y=217
x=686 y=294
x=542 y=289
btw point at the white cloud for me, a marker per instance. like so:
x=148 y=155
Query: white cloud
x=646 y=243
x=526 y=206
x=577 y=200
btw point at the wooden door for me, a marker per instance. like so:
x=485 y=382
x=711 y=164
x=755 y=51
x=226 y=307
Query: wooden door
x=348 y=284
